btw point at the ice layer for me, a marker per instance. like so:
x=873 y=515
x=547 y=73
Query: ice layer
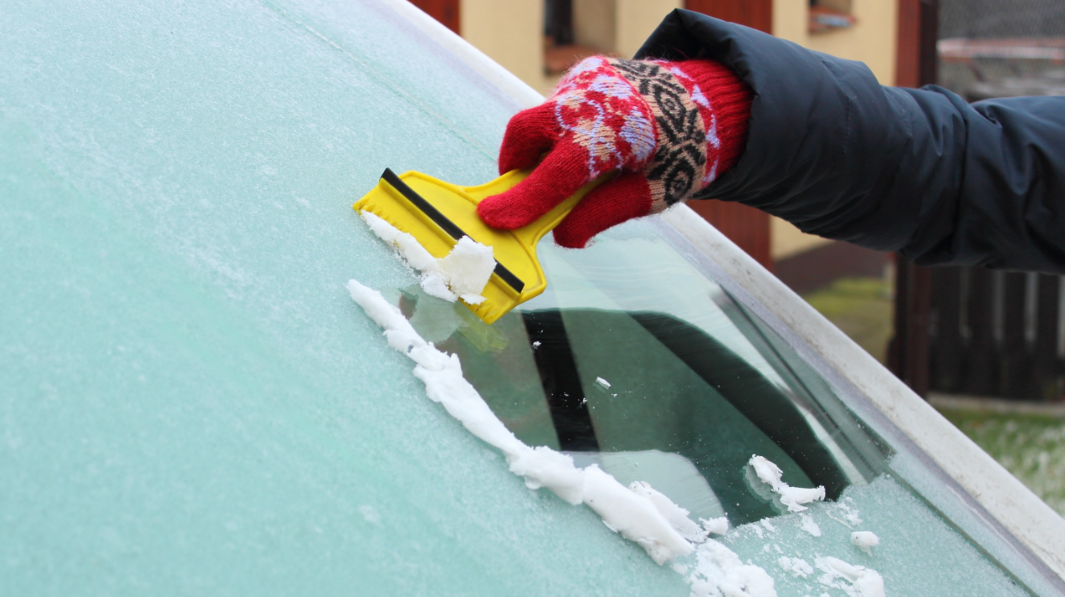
x=463 y=273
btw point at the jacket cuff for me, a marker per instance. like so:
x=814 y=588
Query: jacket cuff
x=729 y=100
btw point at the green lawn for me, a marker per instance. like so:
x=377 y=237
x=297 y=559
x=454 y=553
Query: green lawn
x=861 y=308
x=1032 y=447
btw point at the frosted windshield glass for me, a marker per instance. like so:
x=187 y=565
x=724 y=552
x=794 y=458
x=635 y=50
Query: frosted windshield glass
x=192 y=404
x=391 y=51
x=636 y=361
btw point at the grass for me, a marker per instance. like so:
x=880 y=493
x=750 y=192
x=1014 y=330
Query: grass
x=1032 y=447
x=862 y=308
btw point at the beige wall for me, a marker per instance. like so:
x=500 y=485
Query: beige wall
x=636 y=19
x=619 y=26
x=595 y=24
x=785 y=240
x=871 y=40
x=509 y=32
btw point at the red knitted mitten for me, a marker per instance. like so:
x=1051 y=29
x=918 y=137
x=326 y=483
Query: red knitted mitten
x=668 y=129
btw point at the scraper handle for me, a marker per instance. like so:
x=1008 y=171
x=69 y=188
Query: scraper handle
x=533 y=232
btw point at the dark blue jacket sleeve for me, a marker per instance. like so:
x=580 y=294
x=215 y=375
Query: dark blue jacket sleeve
x=920 y=172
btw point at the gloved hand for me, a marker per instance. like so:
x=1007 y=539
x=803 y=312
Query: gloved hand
x=668 y=129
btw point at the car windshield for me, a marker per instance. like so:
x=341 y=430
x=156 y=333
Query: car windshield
x=637 y=360
x=631 y=354
x=192 y=404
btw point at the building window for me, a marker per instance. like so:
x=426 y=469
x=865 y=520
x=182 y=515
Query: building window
x=829 y=15
x=576 y=29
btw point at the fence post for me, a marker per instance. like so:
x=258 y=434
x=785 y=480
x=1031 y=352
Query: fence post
x=1047 y=366
x=981 y=364
x=1016 y=359
x=908 y=353
x=946 y=353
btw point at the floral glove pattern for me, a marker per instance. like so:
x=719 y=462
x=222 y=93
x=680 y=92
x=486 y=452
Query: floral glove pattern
x=668 y=129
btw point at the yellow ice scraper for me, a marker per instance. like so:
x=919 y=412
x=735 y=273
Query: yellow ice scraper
x=437 y=214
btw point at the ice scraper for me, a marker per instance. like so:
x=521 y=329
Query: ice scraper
x=438 y=214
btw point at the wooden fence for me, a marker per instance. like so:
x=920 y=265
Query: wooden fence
x=996 y=333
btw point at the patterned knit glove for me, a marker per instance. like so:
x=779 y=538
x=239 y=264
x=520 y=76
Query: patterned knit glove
x=667 y=128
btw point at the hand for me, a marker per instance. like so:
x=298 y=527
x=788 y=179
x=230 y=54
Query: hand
x=667 y=128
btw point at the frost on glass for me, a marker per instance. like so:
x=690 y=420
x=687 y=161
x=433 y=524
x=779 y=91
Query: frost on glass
x=918 y=553
x=637 y=362
x=422 y=71
x=191 y=403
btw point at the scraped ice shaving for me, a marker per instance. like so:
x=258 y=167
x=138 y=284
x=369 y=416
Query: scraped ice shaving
x=677 y=516
x=633 y=514
x=414 y=253
x=468 y=267
x=717 y=526
x=849 y=514
x=602 y=382
x=768 y=525
x=463 y=273
x=720 y=573
x=543 y=467
x=639 y=512
x=855 y=581
x=850 y=517
x=792 y=497
x=798 y=567
x=810 y=526
x=865 y=541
